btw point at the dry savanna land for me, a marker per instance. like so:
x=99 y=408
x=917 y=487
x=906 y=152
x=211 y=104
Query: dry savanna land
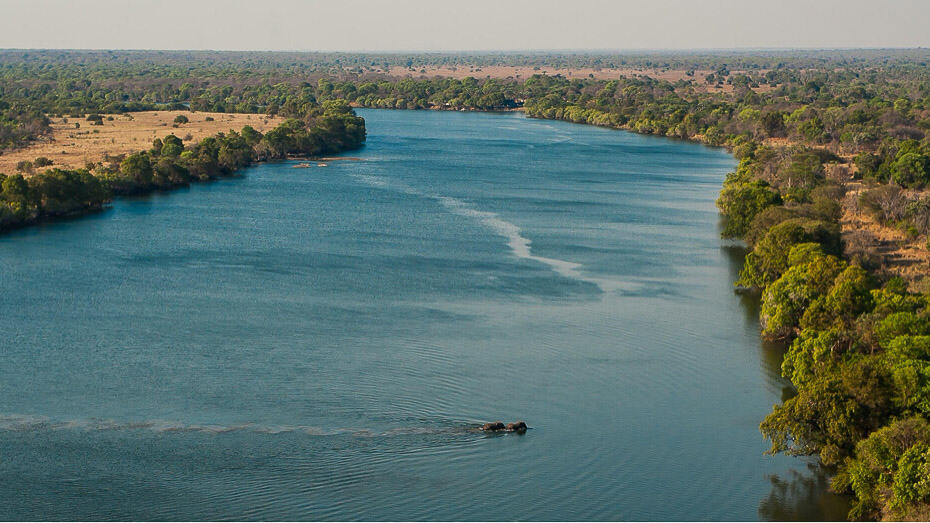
x=904 y=255
x=502 y=72
x=74 y=142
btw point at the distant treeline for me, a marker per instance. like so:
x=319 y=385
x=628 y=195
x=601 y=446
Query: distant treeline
x=170 y=163
x=203 y=64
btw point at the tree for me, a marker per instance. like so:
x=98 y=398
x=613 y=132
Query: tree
x=773 y=123
x=810 y=275
x=17 y=195
x=812 y=130
x=741 y=200
x=805 y=170
x=251 y=136
x=911 y=169
x=138 y=168
x=169 y=173
x=869 y=474
x=181 y=119
x=172 y=146
x=770 y=257
x=912 y=479
x=849 y=298
x=831 y=412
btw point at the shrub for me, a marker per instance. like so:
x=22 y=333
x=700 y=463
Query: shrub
x=25 y=166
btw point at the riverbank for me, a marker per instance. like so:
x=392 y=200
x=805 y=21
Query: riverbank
x=77 y=141
x=170 y=163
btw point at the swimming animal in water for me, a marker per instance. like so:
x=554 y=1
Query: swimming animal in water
x=498 y=426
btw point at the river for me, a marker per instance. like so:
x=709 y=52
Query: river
x=316 y=343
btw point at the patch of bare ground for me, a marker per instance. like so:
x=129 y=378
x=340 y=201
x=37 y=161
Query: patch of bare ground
x=75 y=141
x=891 y=250
x=888 y=250
x=524 y=72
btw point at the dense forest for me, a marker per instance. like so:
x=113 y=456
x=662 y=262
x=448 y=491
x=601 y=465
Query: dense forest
x=804 y=127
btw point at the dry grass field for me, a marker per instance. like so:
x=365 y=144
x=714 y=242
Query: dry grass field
x=901 y=255
x=72 y=147
x=522 y=73
x=500 y=71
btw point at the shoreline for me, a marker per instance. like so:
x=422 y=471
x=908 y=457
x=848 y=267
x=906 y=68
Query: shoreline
x=169 y=164
x=75 y=142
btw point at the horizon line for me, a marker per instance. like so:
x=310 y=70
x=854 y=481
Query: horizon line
x=482 y=51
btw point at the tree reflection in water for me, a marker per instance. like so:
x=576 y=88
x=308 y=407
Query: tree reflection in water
x=804 y=496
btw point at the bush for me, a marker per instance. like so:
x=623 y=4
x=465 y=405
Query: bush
x=25 y=166
x=912 y=479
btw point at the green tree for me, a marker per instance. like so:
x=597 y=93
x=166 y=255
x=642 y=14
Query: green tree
x=912 y=479
x=871 y=471
x=769 y=258
x=911 y=170
x=741 y=200
x=172 y=147
x=17 y=195
x=138 y=168
x=785 y=300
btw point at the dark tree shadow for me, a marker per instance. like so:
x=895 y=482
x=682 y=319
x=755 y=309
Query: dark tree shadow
x=804 y=496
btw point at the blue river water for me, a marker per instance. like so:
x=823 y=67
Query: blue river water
x=317 y=343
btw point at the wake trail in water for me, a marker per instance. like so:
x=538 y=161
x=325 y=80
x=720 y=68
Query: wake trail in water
x=520 y=246
x=27 y=423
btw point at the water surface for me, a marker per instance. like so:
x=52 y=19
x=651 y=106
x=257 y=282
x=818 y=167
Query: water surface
x=315 y=343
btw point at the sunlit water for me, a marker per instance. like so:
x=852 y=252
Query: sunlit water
x=317 y=343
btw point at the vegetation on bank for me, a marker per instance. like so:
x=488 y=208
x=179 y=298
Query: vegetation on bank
x=803 y=128
x=859 y=353
x=170 y=163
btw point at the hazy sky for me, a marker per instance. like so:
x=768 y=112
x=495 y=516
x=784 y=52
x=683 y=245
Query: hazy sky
x=462 y=24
